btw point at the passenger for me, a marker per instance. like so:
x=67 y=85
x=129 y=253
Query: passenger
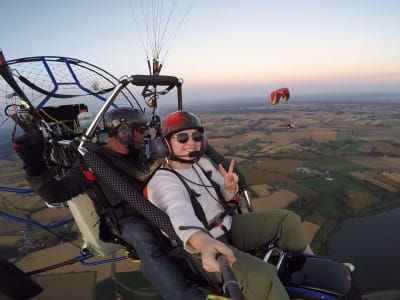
x=126 y=129
x=187 y=180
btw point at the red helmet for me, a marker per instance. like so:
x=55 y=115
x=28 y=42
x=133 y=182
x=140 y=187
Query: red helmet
x=178 y=121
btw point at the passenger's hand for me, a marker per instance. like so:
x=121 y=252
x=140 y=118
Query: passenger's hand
x=209 y=248
x=230 y=178
x=209 y=254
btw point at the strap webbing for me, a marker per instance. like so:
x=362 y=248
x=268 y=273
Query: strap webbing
x=198 y=210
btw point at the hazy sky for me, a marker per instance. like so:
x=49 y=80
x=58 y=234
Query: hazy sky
x=225 y=48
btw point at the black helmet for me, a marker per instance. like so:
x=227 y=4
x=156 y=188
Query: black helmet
x=178 y=121
x=133 y=118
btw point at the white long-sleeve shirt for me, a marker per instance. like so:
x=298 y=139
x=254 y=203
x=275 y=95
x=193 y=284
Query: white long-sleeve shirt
x=167 y=192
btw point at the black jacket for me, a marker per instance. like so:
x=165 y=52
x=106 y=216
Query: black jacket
x=74 y=182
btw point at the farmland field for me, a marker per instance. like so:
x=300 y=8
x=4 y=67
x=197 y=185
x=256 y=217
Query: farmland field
x=338 y=161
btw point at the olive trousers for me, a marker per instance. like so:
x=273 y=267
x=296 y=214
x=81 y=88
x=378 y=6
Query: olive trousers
x=258 y=279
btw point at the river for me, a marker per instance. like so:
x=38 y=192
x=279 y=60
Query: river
x=372 y=244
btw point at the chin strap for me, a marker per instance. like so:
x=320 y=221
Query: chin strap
x=184 y=161
x=194 y=154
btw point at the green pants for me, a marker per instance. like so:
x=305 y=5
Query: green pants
x=257 y=278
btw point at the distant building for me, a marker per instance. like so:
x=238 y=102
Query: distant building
x=313 y=172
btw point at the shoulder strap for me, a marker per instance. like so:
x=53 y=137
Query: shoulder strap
x=102 y=203
x=228 y=208
x=198 y=210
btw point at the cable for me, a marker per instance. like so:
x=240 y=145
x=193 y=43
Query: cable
x=35 y=222
x=200 y=184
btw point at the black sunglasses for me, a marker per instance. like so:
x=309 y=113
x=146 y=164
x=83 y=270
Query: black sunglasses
x=140 y=130
x=183 y=137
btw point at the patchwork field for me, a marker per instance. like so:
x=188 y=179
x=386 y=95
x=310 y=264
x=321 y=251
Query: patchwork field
x=376 y=179
x=357 y=200
x=365 y=137
x=278 y=199
x=350 y=154
x=379 y=163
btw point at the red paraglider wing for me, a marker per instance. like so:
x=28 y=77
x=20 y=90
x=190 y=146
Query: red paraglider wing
x=285 y=94
x=278 y=94
x=275 y=98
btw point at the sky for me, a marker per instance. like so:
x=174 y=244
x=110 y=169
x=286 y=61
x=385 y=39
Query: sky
x=223 y=49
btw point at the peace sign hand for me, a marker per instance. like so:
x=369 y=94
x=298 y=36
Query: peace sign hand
x=230 y=178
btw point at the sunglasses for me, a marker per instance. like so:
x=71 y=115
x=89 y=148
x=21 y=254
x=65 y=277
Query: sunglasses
x=183 y=137
x=140 y=130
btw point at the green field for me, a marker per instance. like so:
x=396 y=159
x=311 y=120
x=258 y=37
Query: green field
x=340 y=182
x=336 y=164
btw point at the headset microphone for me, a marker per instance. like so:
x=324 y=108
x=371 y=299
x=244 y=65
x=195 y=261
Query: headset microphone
x=195 y=154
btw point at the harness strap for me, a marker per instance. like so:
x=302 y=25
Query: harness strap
x=229 y=209
x=198 y=210
x=130 y=194
x=219 y=222
x=105 y=207
x=89 y=174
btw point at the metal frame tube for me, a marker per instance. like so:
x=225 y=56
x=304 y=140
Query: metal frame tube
x=88 y=135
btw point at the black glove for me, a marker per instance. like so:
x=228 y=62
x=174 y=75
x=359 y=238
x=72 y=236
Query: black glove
x=29 y=148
